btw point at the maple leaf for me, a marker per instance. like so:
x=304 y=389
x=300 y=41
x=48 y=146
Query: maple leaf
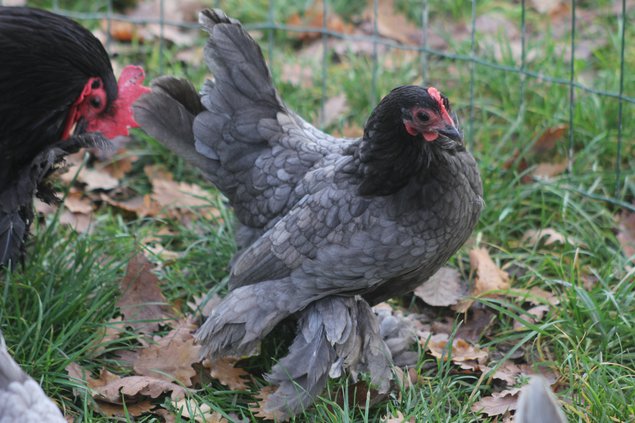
x=142 y=303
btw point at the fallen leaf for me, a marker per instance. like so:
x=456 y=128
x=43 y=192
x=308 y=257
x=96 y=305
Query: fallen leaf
x=93 y=178
x=106 y=334
x=178 y=194
x=142 y=303
x=171 y=356
x=76 y=203
x=119 y=410
x=444 y=288
x=223 y=370
x=119 y=166
x=461 y=350
x=534 y=296
x=549 y=170
x=202 y=413
x=260 y=408
x=498 y=403
x=399 y=418
x=132 y=386
x=509 y=371
x=142 y=206
x=121 y=30
x=534 y=315
x=548 y=139
x=489 y=276
x=43 y=208
x=536 y=236
x=79 y=222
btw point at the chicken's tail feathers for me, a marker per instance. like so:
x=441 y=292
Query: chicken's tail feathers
x=167 y=114
x=537 y=403
x=335 y=334
x=237 y=101
x=238 y=324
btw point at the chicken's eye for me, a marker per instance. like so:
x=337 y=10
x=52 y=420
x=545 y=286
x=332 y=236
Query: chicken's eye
x=422 y=116
x=95 y=102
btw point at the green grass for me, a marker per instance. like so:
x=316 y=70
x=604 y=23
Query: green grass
x=52 y=308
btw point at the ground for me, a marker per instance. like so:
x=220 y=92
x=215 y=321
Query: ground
x=555 y=241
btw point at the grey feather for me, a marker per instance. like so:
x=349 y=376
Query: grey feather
x=21 y=398
x=538 y=404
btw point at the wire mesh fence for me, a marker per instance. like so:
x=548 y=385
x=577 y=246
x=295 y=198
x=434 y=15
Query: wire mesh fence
x=616 y=98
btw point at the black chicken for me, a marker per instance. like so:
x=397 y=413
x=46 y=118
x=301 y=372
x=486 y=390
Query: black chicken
x=327 y=226
x=58 y=93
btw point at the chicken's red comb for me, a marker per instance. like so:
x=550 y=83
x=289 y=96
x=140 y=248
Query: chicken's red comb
x=435 y=94
x=130 y=89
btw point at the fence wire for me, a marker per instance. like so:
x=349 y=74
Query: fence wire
x=426 y=53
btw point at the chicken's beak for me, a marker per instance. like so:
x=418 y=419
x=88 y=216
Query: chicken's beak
x=451 y=132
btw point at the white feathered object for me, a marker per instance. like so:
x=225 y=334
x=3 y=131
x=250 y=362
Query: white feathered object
x=537 y=404
x=21 y=398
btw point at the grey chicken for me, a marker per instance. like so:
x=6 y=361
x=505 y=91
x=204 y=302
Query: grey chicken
x=326 y=226
x=21 y=398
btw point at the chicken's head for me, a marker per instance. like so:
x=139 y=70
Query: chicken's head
x=106 y=107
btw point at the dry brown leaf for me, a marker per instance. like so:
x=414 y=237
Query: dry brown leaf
x=534 y=315
x=158 y=250
x=202 y=413
x=97 y=180
x=142 y=206
x=626 y=234
x=549 y=170
x=142 y=303
x=118 y=410
x=172 y=194
x=548 y=236
x=399 y=418
x=489 y=277
x=509 y=371
x=462 y=351
x=223 y=370
x=106 y=334
x=75 y=203
x=121 y=30
x=444 y=288
x=171 y=357
x=547 y=141
x=334 y=108
x=260 y=408
x=391 y=24
x=79 y=222
x=132 y=386
x=121 y=165
x=498 y=403
x=534 y=295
